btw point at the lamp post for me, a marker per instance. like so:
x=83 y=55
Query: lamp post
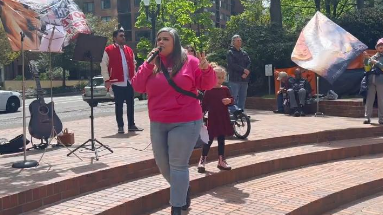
x=152 y=13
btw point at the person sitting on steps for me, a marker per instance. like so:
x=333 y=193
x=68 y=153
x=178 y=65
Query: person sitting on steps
x=299 y=87
x=283 y=77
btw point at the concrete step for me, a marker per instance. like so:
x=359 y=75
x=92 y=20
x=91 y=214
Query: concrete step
x=370 y=205
x=145 y=194
x=34 y=188
x=310 y=190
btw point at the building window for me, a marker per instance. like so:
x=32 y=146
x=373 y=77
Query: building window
x=128 y=36
x=88 y=7
x=137 y=3
x=106 y=18
x=232 y=7
x=105 y=4
x=125 y=21
x=223 y=4
x=123 y=6
x=142 y=34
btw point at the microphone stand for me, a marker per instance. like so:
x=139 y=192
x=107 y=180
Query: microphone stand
x=24 y=163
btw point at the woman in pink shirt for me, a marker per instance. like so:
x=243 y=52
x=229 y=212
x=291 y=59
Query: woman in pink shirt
x=175 y=118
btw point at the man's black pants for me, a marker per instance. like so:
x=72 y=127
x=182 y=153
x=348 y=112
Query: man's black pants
x=121 y=95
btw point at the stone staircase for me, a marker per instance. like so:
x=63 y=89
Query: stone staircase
x=309 y=190
x=302 y=159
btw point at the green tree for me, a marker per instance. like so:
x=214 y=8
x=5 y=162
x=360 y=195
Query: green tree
x=183 y=15
x=6 y=54
x=365 y=24
x=296 y=13
x=264 y=42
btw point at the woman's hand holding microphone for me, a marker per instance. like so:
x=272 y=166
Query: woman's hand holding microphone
x=153 y=55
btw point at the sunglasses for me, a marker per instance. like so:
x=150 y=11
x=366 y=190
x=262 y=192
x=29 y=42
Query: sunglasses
x=121 y=35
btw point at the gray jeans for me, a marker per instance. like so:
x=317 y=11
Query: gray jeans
x=293 y=100
x=375 y=86
x=173 y=144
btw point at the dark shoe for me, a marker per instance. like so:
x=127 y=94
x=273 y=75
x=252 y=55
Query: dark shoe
x=278 y=111
x=120 y=130
x=297 y=114
x=367 y=121
x=188 y=201
x=176 y=211
x=135 y=128
x=302 y=113
x=201 y=164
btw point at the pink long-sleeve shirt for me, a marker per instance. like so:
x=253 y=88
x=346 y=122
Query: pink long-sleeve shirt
x=164 y=103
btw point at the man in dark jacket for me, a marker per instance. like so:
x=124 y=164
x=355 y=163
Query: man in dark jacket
x=238 y=62
x=299 y=90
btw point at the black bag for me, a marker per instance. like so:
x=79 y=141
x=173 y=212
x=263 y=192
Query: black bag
x=199 y=142
x=13 y=146
x=177 y=88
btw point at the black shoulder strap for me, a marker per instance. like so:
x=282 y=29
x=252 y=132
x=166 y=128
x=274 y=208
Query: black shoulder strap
x=176 y=87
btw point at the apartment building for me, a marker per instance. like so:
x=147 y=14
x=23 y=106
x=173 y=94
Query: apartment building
x=126 y=11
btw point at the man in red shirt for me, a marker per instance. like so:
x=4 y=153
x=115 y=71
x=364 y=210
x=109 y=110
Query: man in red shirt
x=118 y=69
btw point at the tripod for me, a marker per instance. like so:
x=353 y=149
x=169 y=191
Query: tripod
x=90 y=48
x=55 y=124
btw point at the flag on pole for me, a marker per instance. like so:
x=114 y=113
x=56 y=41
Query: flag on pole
x=35 y=18
x=325 y=48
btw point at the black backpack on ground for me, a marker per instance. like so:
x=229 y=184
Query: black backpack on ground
x=13 y=146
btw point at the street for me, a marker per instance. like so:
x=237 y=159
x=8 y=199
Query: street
x=67 y=108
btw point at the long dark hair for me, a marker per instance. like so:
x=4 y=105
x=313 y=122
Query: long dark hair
x=178 y=57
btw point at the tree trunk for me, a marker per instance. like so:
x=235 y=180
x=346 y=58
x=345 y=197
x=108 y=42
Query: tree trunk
x=328 y=7
x=276 y=12
x=317 y=5
x=335 y=7
x=64 y=74
x=359 y=4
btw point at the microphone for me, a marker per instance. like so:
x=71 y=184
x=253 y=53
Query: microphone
x=154 y=55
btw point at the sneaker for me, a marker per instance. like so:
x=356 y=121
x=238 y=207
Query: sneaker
x=222 y=164
x=278 y=111
x=367 y=121
x=296 y=114
x=135 y=128
x=120 y=130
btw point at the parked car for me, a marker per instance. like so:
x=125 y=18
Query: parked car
x=10 y=101
x=101 y=94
